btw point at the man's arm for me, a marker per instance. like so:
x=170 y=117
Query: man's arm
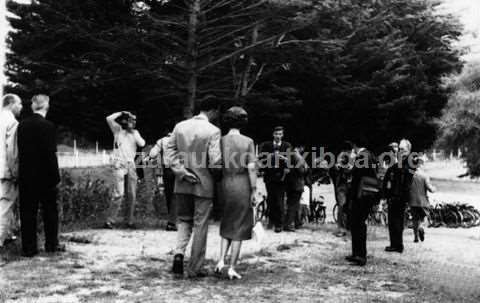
x=138 y=138
x=172 y=157
x=429 y=185
x=12 y=150
x=114 y=126
x=215 y=154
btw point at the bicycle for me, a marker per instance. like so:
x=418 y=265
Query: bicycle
x=318 y=212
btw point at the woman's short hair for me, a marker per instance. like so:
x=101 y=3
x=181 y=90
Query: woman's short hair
x=235 y=117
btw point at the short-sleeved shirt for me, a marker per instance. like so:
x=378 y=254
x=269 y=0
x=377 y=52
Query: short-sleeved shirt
x=125 y=146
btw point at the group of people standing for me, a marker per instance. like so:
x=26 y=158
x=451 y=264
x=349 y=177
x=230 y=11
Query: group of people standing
x=28 y=172
x=199 y=164
x=359 y=187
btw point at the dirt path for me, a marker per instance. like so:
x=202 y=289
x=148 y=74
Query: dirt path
x=307 y=266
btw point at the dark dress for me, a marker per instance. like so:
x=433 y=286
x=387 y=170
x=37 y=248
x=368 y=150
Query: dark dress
x=237 y=220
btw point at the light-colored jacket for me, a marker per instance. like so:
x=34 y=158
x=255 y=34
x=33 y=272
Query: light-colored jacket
x=194 y=146
x=8 y=145
x=419 y=189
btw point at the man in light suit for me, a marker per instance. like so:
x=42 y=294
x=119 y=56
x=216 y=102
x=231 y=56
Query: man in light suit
x=11 y=107
x=193 y=153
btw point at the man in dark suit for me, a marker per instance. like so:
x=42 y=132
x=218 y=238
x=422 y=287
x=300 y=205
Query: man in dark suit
x=295 y=184
x=38 y=178
x=365 y=165
x=274 y=162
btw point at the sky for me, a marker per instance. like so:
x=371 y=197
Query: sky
x=467 y=10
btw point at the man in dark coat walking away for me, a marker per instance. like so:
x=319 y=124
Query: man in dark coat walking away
x=38 y=178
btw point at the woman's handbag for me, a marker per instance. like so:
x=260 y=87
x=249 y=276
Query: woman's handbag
x=258 y=230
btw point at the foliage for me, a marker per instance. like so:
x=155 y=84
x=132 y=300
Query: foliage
x=330 y=70
x=459 y=126
x=84 y=197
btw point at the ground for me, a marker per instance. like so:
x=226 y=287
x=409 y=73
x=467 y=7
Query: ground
x=306 y=266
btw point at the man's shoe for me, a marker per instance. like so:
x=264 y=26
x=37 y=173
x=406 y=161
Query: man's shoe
x=171 y=227
x=9 y=240
x=351 y=258
x=178 y=264
x=393 y=249
x=30 y=254
x=108 y=225
x=421 y=234
x=131 y=226
x=58 y=248
x=278 y=229
x=289 y=229
x=415 y=240
x=359 y=261
x=200 y=274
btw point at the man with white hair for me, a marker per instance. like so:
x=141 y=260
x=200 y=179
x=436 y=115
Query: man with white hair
x=11 y=108
x=396 y=188
x=38 y=178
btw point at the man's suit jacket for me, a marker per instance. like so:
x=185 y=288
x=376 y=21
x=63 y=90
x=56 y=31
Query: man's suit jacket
x=295 y=179
x=271 y=165
x=8 y=145
x=194 y=146
x=37 y=147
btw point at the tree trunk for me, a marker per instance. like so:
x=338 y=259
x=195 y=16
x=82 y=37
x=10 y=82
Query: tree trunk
x=192 y=54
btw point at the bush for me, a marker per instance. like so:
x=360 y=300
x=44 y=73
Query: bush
x=85 y=193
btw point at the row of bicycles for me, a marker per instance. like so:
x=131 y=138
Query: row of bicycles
x=451 y=215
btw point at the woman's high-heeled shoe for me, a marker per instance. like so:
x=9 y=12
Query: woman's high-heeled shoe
x=232 y=274
x=219 y=267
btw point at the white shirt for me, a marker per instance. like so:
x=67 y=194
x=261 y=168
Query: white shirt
x=305 y=198
x=8 y=128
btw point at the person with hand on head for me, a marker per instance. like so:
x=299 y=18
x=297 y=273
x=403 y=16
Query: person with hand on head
x=126 y=140
x=11 y=108
x=38 y=177
x=193 y=153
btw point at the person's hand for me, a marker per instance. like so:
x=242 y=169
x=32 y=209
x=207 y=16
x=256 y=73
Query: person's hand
x=253 y=198
x=190 y=178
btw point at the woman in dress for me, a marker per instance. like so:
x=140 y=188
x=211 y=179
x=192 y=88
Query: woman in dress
x=238 y=187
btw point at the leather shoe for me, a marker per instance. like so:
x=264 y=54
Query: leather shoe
x=200 y=274
x=178 y=264
x=358 y=260
x=58 y=248
x=171 y=227
x=393 y=249
x=421 y=234
x=108 y=225
x=350 y=258
x=289 y=229
x=30 y=254
x=278 y=229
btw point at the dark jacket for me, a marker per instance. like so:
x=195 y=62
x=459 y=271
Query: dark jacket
x=269 y=162
x=397 y=183
x=295 y=179
x=37 y=147
x=365 y=166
